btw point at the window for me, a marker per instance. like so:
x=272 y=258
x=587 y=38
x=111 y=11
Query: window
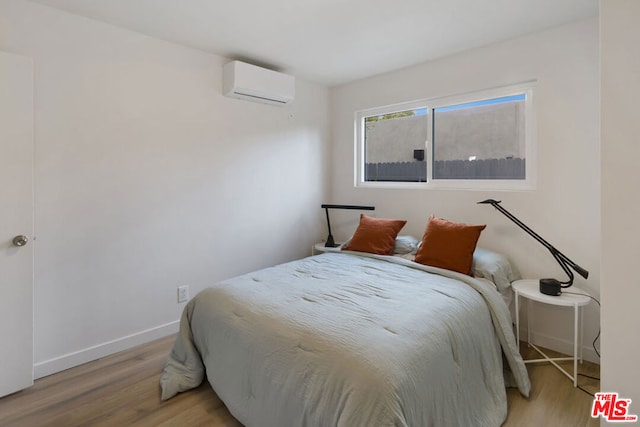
x=392 y=142
x=482 y=140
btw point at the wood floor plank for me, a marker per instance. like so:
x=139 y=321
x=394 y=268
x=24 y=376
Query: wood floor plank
x=123 y=390
x=553 y=401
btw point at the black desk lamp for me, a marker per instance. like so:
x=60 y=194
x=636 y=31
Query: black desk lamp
x=547 y=286
x=330 y=243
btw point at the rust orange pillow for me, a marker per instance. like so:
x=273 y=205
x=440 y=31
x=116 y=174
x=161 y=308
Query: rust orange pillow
x=375 y=235
x=449 y=245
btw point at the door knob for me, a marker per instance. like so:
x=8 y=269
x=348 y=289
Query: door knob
x=20 y=240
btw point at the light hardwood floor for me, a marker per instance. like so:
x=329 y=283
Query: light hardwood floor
x=123 y=390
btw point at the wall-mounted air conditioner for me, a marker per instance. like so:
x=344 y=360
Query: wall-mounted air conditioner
x=257 y=84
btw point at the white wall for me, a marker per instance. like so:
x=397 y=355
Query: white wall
x=620 y=90
x=564 y=208
x=147 y=178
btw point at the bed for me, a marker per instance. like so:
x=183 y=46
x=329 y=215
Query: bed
x=351 y=339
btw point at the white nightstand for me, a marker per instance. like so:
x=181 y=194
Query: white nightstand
x=530 y=289
x=319 y=248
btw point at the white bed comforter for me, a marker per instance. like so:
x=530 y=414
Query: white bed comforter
x=344 y=339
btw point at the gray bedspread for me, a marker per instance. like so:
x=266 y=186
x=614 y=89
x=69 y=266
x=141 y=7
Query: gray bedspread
x=345 y=339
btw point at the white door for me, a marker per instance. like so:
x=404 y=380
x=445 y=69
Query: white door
x=16 y=219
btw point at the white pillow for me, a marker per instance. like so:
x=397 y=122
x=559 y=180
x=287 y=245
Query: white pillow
x=405 y=245
x=494 y=266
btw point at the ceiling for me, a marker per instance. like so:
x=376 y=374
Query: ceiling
x=332 y=41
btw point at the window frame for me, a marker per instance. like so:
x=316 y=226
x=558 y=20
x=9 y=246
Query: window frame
x=529 y=183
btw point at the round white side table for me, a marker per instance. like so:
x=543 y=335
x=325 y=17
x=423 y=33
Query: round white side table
x=319 y=248
x=573 y=297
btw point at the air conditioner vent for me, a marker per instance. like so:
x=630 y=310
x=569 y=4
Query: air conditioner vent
x=257 y=84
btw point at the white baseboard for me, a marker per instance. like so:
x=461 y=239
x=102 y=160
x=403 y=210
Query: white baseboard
x=560 y=345
x=48 y=367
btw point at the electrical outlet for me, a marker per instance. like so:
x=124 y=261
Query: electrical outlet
x=183 y=293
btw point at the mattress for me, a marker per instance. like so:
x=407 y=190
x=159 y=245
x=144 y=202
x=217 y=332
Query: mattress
x=350 y=339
